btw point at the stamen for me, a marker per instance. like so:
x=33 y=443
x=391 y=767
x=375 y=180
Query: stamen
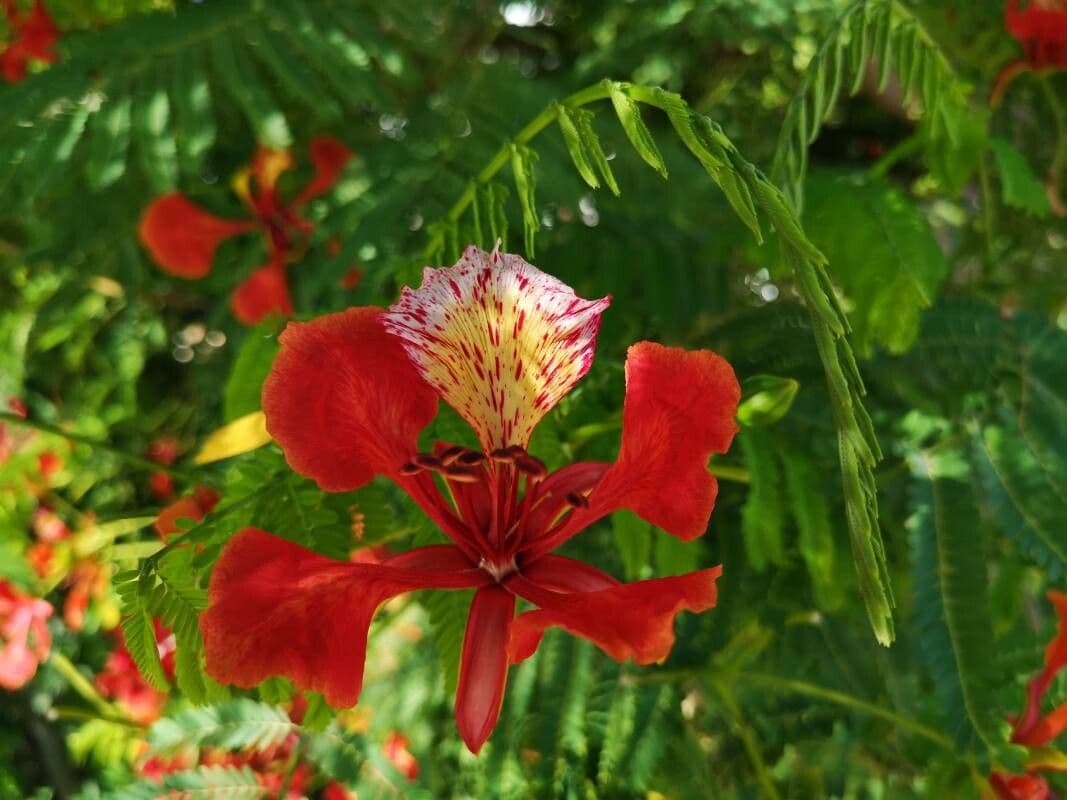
x=575 y=500
x=410 y=468
x=502 y=455
x=427 y=461
x=462 y=474
x=451 y=454
x=471 y=458
x=531 y=467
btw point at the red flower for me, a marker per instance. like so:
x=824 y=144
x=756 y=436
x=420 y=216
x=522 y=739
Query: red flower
x=501 y=342
x=49 y=463
x=1033 y=729
x=35 y=34
x=47 y=525
x=182 y=238
x=1041 y=28
x=88 y=580
x=335 y=791
x=121 y=681
x=396 y=750
x=195 y=506
x=163 y=450
x=24 y=636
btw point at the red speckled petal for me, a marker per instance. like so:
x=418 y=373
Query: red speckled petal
x=264 y=292
x=343 y=401
x=500 y=340
x=182 y=238
x=483 y=671
x=632 y=620
x=278 y=609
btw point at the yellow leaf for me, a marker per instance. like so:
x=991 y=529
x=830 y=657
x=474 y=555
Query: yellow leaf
x=243 y=434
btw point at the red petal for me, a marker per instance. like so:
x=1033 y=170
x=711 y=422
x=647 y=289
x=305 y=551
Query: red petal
x=265 y=292
x=1030 y=729
x=329 y=157
x=484 y=668
x=182 y=237
x=278 y=609
x=632 y=620
x=567 y=575
x=343 y=401
x=679 y=409
x=1019 y=787
x=39 y=33
x=195 y=506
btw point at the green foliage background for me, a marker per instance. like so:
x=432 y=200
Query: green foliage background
x=816 y=189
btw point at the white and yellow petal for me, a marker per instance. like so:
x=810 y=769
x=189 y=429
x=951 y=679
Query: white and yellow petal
x=501 y=341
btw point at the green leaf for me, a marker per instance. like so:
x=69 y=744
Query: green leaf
x=583 y=121
x=134 y=591
x=629 y=114
x=881 y=251
x=573 y=140
x=762 y=520
x=155 y=141
x=952 y=605
x=811 y=513
x=250 y=369
x=237 y=724
x=633 y=538
x=1020 y=186
x=522 y=167
x=448 y=623
x=110 y=139
x=766 y=399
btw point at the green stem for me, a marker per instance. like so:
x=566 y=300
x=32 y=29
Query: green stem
x=100 y=444
x=730 y=473
x=988 y=211
x=747 y=739
x=69 y=712
x=907 y=147
x=788 y=685
x=87 y=691
x=590 y=94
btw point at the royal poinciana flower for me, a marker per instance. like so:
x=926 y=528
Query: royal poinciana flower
x=182 y=237
x=501 y=342
x=121 y=681
x=1041 y=29
x=33 y=37
x=163 y=450
x=396 y=750
x=1034 y=729
x=24 y=637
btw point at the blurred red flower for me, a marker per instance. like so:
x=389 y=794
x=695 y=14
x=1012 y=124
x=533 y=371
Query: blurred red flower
x=121 y=681
x=163 y=450
x=1041 y=29
x=396 y=750
x=88 y=580
x=182 y=237
x=35 y=34
x=502 y=343
x=25 y=640
x=193 y=506
x=1034 y=729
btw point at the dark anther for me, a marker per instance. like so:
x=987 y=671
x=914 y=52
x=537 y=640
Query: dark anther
x=577 y=500
x=409 y=469
x=515 y=451
x=502 y=455
x=427 y=461
x=451 y=454
x=528 y=465
x=461 y=474
x=471 y=458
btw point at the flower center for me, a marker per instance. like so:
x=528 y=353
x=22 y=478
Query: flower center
x=496 y=498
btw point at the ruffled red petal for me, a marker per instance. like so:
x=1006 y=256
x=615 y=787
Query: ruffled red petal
x=679 y=410
x=264 y=292
x=484 y=668
x=182 y=238
x=632 y=620
x=278 y=609
x=343 y=401
x=329 y=156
